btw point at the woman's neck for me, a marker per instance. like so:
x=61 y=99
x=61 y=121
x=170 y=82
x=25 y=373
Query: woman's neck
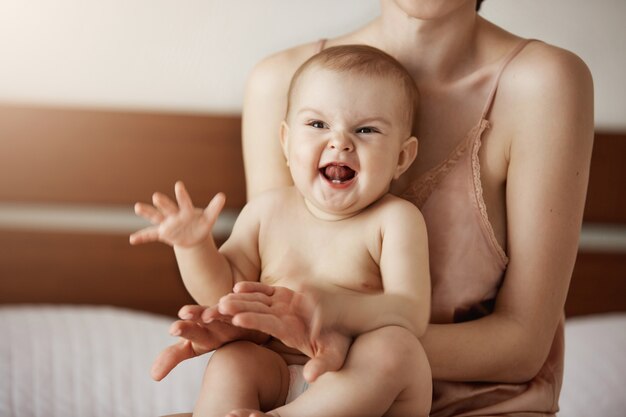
x=437 y=48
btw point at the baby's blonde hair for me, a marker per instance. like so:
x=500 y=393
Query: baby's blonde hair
x=363 y=60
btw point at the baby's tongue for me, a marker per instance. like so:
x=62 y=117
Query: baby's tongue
x=338 y=173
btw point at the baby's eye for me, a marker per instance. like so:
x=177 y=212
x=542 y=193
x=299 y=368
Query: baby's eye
x=318 y=124
x=367 y=129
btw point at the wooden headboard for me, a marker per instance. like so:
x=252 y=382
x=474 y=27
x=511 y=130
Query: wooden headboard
x=97 y=162
x=100 y=161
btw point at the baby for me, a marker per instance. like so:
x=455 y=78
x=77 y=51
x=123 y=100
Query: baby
x=346 y=136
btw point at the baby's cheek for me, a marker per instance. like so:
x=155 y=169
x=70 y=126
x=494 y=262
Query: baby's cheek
x=303 y=161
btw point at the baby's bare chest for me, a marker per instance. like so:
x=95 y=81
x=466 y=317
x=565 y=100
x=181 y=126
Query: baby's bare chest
x=330 y=256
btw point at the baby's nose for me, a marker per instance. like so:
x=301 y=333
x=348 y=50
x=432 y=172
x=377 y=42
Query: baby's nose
x=341 y=142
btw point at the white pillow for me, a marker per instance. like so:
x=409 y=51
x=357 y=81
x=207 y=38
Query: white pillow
x=89 y=361
x=595 y=367
x=95 y=361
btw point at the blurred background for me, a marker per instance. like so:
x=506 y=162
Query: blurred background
x=103 y=102
x=195 y=56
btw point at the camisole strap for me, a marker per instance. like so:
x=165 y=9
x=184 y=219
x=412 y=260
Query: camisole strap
x=321 y=44
x=506 y=61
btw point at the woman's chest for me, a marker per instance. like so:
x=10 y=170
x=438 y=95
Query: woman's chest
x=458 y=143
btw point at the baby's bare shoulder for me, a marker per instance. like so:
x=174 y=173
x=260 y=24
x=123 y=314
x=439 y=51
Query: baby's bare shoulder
x=393 y=211
x=393 y=204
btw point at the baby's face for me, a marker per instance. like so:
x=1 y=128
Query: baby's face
x=346 y=139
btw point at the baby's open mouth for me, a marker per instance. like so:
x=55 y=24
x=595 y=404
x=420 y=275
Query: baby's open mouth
x=337 y=173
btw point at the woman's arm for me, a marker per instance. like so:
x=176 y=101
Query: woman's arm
x=551 y=119
x=264 y=107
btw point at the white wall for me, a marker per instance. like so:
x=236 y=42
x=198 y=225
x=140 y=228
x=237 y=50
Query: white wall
x=594 y=30
x=156 y=54
x=195 y=55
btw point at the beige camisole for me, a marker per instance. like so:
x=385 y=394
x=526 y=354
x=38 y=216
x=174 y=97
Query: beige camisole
x=467 y=268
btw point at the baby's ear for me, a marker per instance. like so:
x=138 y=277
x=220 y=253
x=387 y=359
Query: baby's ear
x=408 y=153
x=284 y=139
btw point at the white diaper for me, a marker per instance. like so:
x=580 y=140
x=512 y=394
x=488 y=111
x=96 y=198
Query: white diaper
x=297 y=383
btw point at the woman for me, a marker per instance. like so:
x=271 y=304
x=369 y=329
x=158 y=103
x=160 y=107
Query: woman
x=505 y=134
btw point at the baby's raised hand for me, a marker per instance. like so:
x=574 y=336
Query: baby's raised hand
x=179 y=224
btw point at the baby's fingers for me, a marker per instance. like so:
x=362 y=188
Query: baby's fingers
x=202 y=339
x=230 y=307
x=251 y=287
x=192 y=312
x=149 y=234
x=214 y=208
x=165 y=204
x=250 y=297
x=182 y=197
x=265 y=323
x=149 y=213
x=170 y=357
x=212 y=314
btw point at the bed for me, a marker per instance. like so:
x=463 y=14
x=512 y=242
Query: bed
x=83 y=314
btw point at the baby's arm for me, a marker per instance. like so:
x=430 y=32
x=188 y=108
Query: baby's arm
x=208 y=273
x=404 y=269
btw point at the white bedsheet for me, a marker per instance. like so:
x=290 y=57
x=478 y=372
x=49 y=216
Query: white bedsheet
x=594 y=381
x=95 y=361
x=88 y=362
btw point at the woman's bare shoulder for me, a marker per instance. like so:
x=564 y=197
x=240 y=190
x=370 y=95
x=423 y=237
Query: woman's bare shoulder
x=544 y=69
x=275 y=71
x=545 y=86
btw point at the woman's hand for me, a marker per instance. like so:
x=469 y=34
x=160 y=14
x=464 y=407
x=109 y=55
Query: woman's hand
x=295 y=318
x=198 y=337
x=179 y=224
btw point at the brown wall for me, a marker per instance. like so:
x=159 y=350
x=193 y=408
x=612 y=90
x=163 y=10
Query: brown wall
x=102 y=157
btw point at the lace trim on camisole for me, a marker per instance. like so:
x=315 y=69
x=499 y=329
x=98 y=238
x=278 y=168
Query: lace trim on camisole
x=478 y=192
x=421 y=188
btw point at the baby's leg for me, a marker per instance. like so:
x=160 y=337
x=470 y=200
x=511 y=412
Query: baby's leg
x=386 y=373
x=242 y=375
